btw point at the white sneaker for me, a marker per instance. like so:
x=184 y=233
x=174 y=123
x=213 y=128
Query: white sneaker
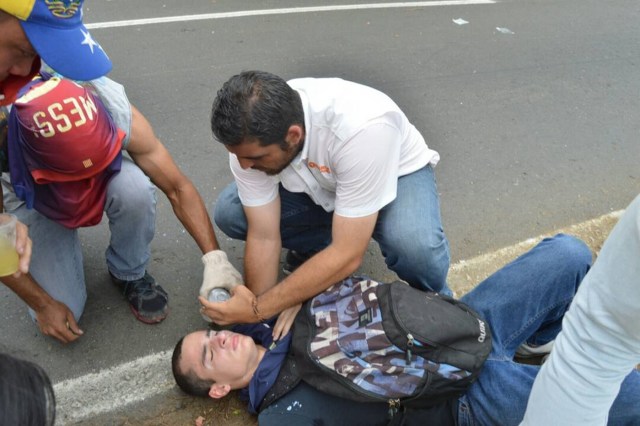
x=529 y=351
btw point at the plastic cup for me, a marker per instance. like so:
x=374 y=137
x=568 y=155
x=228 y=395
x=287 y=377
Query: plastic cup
x=8 y=253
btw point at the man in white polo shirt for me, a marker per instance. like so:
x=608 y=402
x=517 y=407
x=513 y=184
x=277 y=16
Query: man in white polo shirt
x=321 y=166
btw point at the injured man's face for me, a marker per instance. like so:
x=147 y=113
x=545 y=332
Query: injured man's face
x=229 y=359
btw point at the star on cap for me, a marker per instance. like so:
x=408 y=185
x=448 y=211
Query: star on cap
x=88 y=40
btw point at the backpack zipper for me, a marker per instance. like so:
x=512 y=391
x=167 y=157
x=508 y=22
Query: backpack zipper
x=394 y=406
x=410 y=341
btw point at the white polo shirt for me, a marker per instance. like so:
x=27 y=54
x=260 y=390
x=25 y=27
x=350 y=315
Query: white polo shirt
x=357 y=143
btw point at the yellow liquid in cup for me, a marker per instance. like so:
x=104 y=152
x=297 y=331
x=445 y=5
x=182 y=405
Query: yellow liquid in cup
x=8 y=257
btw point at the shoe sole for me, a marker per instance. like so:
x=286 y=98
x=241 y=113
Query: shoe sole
x=138 y=315
x=146 y=320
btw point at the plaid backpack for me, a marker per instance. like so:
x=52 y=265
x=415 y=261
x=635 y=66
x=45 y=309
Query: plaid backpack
x=372 y=342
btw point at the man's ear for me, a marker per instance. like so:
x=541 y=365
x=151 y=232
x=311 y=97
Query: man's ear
x=295 y=134
x=217 y=391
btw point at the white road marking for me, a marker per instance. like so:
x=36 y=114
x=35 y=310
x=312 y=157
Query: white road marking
x=113 y=389
x=283 y=11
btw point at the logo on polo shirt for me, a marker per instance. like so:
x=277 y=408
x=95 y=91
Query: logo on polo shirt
x=323 y=169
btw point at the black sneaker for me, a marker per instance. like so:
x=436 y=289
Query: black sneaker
x=293 y=260
x=147 y=300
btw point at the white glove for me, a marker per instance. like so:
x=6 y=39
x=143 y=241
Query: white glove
x=218 y=272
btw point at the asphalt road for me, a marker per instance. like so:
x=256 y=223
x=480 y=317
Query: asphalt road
x=532 y=104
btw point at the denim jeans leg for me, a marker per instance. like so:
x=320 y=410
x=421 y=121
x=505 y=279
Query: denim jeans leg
x=524 y=301
x=531 y=294
x=304 y=226
x=131 y=209
x=625 y=409
x=228 y=213
x=56 y=260
x=501 y=393
x=499 y=396
x=409 y=232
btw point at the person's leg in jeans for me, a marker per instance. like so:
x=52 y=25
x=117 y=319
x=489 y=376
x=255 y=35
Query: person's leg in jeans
x=524 y=301
x=131 y=209
x=306 y=406
x=56 y=260
x=600 y=341
x=409 y=232
x=304 y=226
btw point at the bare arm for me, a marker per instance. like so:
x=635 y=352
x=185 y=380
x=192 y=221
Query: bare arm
x=54 y=318
x=156 y=162
x=262 y=250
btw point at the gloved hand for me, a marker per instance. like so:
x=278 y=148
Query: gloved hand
x=218 y=272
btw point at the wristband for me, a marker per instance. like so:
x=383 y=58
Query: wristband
x=256 y=312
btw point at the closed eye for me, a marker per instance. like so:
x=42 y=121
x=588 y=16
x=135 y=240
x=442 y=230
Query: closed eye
x=207 y=352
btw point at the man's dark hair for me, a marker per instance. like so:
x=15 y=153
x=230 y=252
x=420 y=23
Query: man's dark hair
x=255 y=104
x=26 y=394
x=187 y=380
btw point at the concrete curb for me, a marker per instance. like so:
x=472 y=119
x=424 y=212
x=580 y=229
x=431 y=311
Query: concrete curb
x=465 y=274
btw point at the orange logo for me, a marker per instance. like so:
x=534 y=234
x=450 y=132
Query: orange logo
x=323 y=169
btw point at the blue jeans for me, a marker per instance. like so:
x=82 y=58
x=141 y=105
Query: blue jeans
x=600 y=339
x=409 y=230
x=524 y=301
x=56 y=262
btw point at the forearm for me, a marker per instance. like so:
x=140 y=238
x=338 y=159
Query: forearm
x=156 y=162
x=261 y=262
x=189 y=208
x=27 y=289
x=313 y=277
x=53 y=317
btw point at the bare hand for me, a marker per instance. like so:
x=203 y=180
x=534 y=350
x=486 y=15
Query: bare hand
x=237 y=310
x=23 y=247
x=285 y=321
x=56 y=320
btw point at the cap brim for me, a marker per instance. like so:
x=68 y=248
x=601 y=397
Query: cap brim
x=72 y=52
